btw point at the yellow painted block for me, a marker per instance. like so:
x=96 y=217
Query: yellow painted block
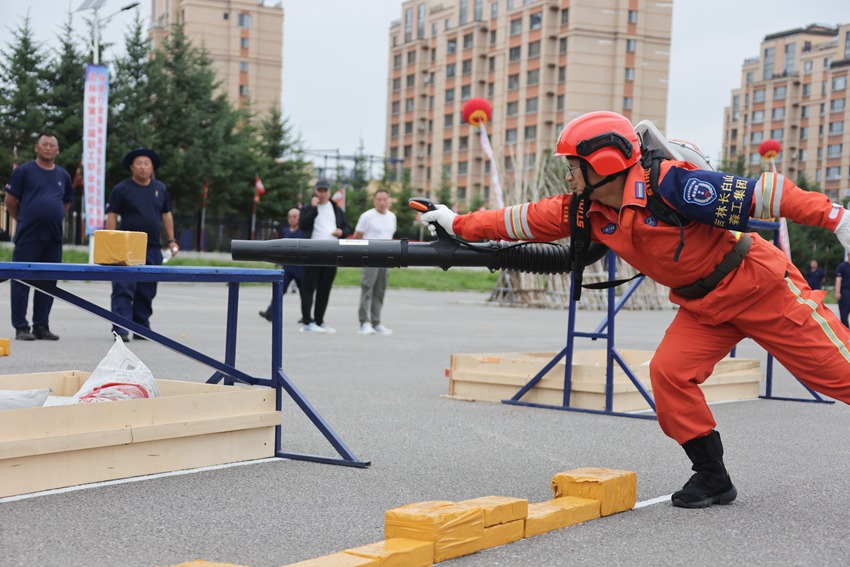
x=398 y=552
x=120 y=247
x=579 y=509
x=455 y=528
x=500 y=534
x=615 y=490
x=202 y=563
x=544 y=517
x=500 y=509
x=341 y=559
x=5 y=347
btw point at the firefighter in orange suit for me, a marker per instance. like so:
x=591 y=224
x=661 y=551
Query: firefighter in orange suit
x=729 y=284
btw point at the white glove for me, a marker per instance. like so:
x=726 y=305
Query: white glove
x=842 y=231
x=443 y=216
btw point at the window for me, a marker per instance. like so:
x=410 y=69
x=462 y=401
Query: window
x=494 y=9
x=531 y=105
x=630 y=74
x=478 y=8
x=450 y=95
x=767 y=74
x=491 y=89
x=243 y=66
x=408 y=127
x=530 y=132
x=515 y=53
x=464 y=5
x=448 y=24
x=633 y=16
x=807 y=89
x=420 y=20
x=516 y=26
x=244 y=20
x=758 y=116
x=839 y=83
x=803 y=155
x=450 y=70
x=447 y=145
x=226 y=16
x=243 y=90
x=411 y=81
x=411 y=57
x=394 y=131
x=804 y=133
x=408 y=24
x=395 y=107
x=512 y=109
x=451 y=46
x=749 y=77
x=836 y=128
x=513 y=82
x=449 y=120
x=467 y=41
x=560 y=103
x=510 y=136
x=534 y=49
x=244 y=42
x=627 y=103
x=755 y=158
x=509 y=163
x=807 y=67
x=408 y=151
x=433 y=33
x=532 y=78
x=492 y=65
x=408 y=104
x=535 y=21
x=833 y=173
x=837 y=105
x=779 y=92
x=565 y=17
x=631 y=45
x=736 y=107
x=562 y=74
x=462 y=167
x=461 y=193
x=833 y=150
x=758 y=96
x=847 y=45
x=778 y=113
x=790 y=58
x=804 y=112
x=396 y=61
x=396 y=84
x=493 y=37
x=463 y=143
x=777 y=134
x=562 y=46
x=466 y=67
x=465 y=92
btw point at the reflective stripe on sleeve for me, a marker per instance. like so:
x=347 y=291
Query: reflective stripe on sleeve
x=818 y=318
x=768 y=193
x=516 y=222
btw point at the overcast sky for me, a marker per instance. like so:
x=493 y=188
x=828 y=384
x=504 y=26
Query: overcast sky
x=335 y=59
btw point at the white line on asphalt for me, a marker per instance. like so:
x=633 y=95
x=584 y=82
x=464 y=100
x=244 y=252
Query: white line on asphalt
x=132 y=479
x=652 y=501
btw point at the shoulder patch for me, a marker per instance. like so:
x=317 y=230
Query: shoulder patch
x=699 y=192
x=640 y=190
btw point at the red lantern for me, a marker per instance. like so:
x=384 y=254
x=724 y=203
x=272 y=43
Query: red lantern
x=476 y=112
x=769 y=149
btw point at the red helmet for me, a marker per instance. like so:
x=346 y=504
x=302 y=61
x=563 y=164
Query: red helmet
x=606 y=140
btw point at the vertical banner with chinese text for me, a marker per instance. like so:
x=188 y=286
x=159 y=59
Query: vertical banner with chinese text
x=94 y=144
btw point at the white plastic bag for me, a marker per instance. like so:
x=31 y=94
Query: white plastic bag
x=18 y=399
x=119 y=376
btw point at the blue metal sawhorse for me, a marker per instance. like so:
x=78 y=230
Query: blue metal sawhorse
x=612 y=355
x=41 y=276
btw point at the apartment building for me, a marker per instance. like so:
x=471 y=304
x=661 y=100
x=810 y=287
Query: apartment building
x=244 y=39
x=539 y=63
x=796 y=92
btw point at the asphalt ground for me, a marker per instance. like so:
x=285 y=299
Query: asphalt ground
x=381 y=394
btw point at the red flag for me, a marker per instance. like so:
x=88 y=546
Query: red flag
x=259 y=187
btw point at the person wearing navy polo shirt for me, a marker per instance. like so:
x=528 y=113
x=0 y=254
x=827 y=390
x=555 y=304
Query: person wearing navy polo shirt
x=144 y=206
x=38 y=195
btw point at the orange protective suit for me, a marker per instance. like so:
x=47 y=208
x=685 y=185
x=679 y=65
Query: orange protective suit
x=764 y=298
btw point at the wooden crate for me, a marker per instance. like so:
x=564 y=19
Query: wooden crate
x=190 y=425
x=497 y=377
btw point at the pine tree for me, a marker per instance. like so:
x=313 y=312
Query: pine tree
x=23 y=89
x=65 y=99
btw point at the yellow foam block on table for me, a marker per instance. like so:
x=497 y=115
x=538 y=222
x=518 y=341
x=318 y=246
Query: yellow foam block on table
x=615 y=490
x=340 y=559
x=5 y=347
x=500 y=509
x=500 y=534
x=455 y=528
x=544 y=517
x=579 y=509
x=120 y=247
x=398 y=552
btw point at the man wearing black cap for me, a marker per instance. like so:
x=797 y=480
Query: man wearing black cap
x=144 y=206
x=321 y=219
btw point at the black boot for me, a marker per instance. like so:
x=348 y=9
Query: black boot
x=711 y=483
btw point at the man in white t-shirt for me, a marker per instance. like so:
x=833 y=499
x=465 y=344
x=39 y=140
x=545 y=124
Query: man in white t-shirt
x=378 y=223
x=321 y=219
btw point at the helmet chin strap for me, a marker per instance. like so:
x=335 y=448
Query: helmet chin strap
x=588 y=186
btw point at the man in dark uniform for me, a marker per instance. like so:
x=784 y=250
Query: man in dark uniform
x=38 y=195
x=144 y=206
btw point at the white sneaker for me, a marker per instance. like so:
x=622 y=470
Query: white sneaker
x=381 y=330
x=312 y=328
x=366 y=329
x=326 y=329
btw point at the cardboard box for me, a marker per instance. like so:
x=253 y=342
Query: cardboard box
x=120 y=247
x=397 y=552
x=579 y=509
x=5 y=347
x=500 y=509
x=500 y=534
x=544 y=517
x=615 y=490
x=190 y=425
x=455 y=528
